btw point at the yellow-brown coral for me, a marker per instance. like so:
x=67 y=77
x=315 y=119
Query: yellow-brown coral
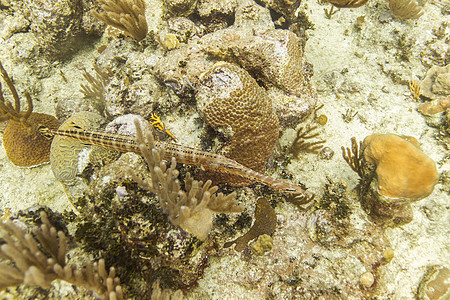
x=24 y=146
x=402 y=169
x=27 y=148
x=414 y=88
x=227 y=96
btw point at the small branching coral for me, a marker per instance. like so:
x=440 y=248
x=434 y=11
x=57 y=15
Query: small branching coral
x=349 y=115
x=353 y=157
x=159 y=294
x=39 y=257
x=24 y=146
x=414 y=88
x=300 y=143
x=190 y=209
x=331 y=12
x=126 y=15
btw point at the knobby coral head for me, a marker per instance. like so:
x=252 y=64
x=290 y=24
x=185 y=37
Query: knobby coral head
x=227 y=96
x=402 y=169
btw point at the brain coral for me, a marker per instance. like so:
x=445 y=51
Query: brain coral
x=64 y=151
x=402 y=169
x=227 y=96
x=25 y=147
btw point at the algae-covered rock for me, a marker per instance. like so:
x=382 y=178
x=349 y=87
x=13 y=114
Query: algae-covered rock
x=57 y=25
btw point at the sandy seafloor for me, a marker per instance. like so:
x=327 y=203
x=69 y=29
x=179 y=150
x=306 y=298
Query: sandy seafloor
x=368 y=79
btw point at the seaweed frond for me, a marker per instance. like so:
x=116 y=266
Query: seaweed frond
x=265 y=223
x=126 y=15
x=300 y=143
x=353 y=157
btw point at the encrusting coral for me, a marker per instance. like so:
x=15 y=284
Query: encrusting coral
x=402 y=169
x=126 y=15
x=39 y=257
x=436 y=82
x=435 y=106
x=191 y=209
x=227 y=96
x=24 y=146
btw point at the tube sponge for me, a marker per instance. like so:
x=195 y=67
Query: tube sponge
x=402 y=169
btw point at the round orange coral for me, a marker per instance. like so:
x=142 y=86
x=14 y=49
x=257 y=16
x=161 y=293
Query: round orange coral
x=26 y=147
x=402 y=169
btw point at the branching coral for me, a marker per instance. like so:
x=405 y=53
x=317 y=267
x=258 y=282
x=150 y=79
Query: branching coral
x=301 y=143
x=190 y=209
x=24 y=146
x=353 y=157
x=126 y=15
x=95 y=86
x=38 y=258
